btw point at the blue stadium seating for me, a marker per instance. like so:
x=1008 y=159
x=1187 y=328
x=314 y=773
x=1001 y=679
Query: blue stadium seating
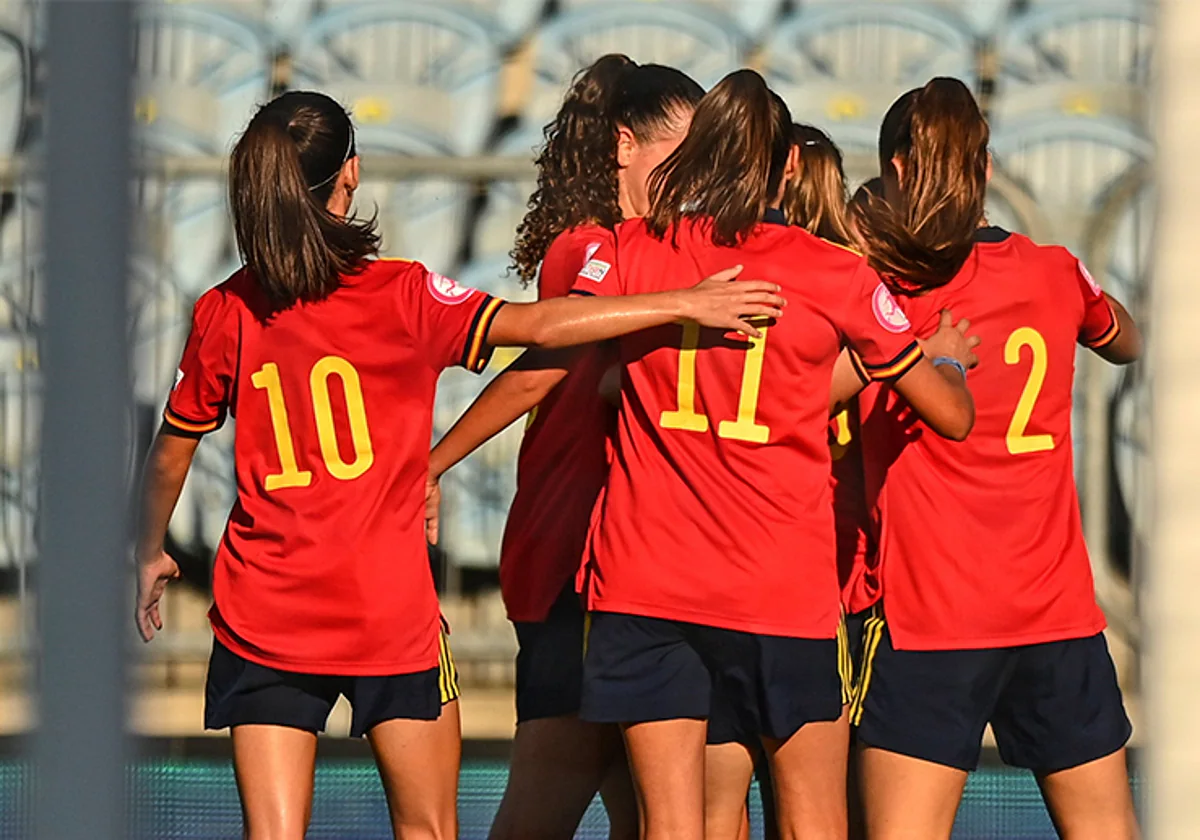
x=200 y=73
x=411 y=72
x=750 y=16
x=697 y=39
x=1092 y=59
x=843 y=64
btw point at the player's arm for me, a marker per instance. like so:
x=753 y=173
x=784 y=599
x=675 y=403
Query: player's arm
x=1126 y=346
x=716 y=302
x=849 y=379
x=166 y=468
x=939 y=394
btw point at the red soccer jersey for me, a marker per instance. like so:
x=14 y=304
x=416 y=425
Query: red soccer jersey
x=563 y=461
x=980 y=542
x=323 y=565
x=851 y=516
x=718 y=508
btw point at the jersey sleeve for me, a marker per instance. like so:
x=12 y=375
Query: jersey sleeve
x=565 y=258
x=598 y=276
x=449 y=321
x=199 y=401
x=1099 y=325
x=877 y=329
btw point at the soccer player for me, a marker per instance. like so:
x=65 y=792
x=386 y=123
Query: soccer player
x=329 y=359
x=988 y=611
x=814 y=198
x=618 y=121
x=711 y=569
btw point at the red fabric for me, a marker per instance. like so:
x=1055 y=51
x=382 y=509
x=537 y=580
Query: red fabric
x=732 y=525
x=981 y=546
x=563 y=461
x=326 y=571
x=851 y=516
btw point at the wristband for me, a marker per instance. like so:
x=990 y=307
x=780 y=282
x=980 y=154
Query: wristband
x=952 y=362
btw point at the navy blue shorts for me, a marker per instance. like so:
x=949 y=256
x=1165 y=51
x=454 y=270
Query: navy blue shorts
x=240 y=692
x=1052 y=706
x=550 y=660
x=640 y=669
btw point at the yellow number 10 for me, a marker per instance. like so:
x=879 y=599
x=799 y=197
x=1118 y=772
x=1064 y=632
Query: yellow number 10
x=686 y=418
x=290 y=474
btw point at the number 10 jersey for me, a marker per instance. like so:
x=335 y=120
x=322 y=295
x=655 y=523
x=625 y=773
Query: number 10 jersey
x=323 y=566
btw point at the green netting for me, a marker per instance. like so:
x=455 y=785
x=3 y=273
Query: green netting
x=197 y=800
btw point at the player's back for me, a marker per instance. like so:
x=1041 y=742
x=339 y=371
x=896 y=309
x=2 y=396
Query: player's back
x=323 y=563
x=719 y=501
x=980 y=540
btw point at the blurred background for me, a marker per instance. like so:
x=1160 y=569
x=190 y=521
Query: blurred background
x=450 y=99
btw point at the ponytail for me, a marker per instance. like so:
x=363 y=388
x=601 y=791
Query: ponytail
x=815 y=199
x=730 y=165
x=577 y=166
x=921 y=239
x=282 y=172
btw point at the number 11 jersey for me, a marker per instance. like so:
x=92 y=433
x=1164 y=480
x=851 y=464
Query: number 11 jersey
x=717 y=509
x=323 y=567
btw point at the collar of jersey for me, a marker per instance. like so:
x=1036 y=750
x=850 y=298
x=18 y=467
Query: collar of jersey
x=774 y=216
x=991 y=234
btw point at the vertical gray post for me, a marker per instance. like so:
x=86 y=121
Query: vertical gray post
x=83 y=575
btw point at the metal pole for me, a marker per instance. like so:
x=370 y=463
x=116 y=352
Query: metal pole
x=80 y=747
x=1172 y=667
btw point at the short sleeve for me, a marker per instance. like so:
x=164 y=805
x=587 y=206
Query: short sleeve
x=877 y=329
x=1099 y=325
x=449 y=321
x=598 y=276
x=199 y=401
x=566 y=256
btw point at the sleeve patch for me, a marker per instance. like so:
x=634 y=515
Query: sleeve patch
x=590 y=252
x=178 y=378
x=595 y=270
x=887 y=312
x=446 y=290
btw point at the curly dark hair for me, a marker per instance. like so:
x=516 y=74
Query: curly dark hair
x=577 y=166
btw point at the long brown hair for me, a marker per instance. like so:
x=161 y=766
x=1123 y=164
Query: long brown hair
x=577 y=167
x=731 y=163
x=282 y=172
x=815 y=198
x=921 y=240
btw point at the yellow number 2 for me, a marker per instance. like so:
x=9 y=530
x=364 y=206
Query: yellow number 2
x=1017 y=441
x=745 y=427
x=290 y=474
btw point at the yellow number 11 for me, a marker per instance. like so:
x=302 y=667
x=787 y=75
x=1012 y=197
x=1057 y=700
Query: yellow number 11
x=687 y=419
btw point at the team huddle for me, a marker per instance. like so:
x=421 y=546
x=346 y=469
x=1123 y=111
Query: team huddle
x=795 y=498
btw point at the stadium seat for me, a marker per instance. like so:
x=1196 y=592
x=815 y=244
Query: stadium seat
x=424 y=73
x=751 y=16
x=697 y=39
x=1066 y=163
x=200 y=73
x=843 y=64
x=1092 y=59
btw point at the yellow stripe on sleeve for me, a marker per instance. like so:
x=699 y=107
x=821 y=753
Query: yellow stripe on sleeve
x=898 y=367
x=187 y=425
x=477 y=357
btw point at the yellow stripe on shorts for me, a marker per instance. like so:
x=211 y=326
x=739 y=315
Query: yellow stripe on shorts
x=845 y=664
x=873 y=629
x=447 y=672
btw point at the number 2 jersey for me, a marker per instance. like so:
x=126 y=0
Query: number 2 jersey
x=323 y=565
x=980 y=542
x=718 y=508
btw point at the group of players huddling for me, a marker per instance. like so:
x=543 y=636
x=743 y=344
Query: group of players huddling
x=764 y=517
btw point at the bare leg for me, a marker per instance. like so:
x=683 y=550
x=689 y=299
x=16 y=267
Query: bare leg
x=418 y=761
x=728 y=769
x=667 y=758
x=908 y=798
x=620 y=800
x=558 y=764
x=1092 y=801
x=274 y=768
x=809 y=773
